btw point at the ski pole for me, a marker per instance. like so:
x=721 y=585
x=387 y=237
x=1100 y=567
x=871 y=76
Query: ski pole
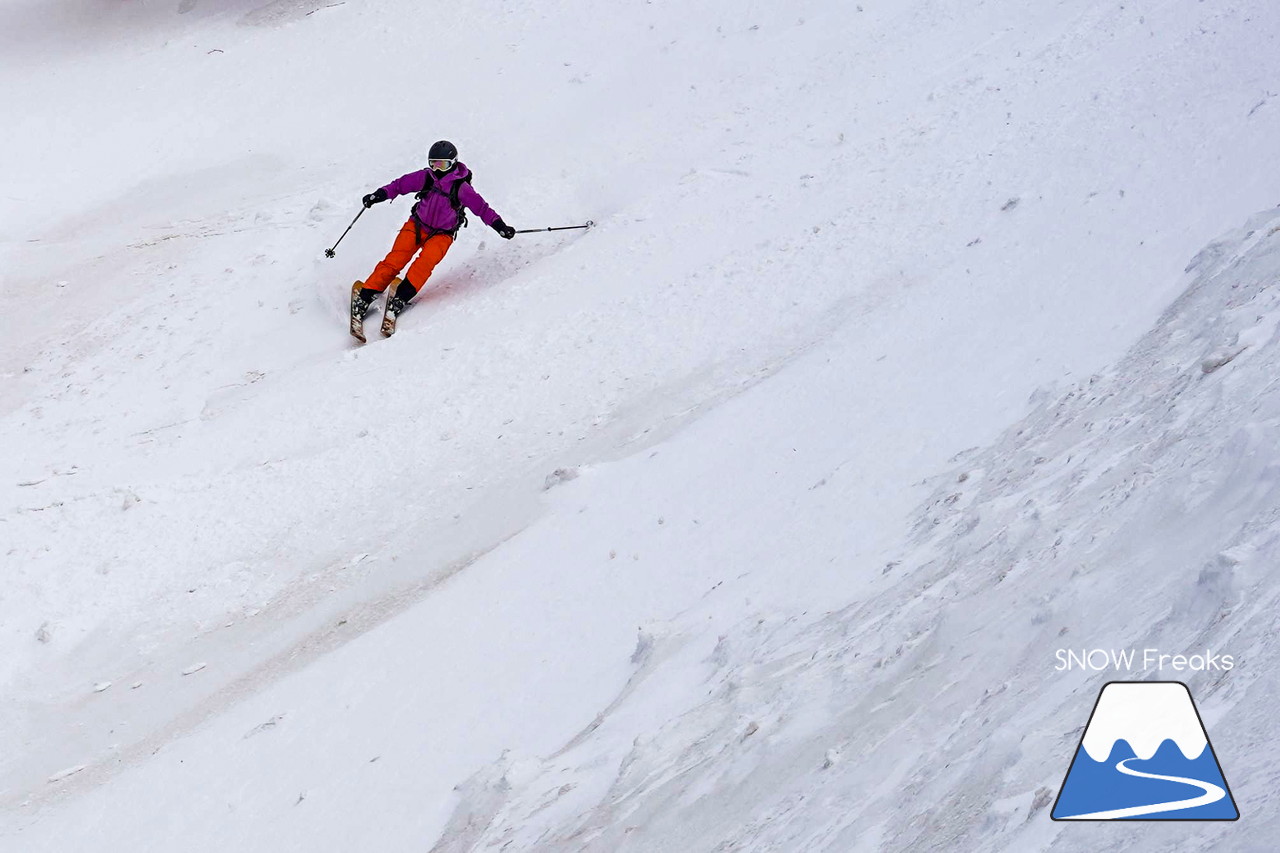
x=558 y=228
x=328 y=253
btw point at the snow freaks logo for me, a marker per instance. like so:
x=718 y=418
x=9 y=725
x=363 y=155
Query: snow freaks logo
x=1149 y=659
x=1145 y=755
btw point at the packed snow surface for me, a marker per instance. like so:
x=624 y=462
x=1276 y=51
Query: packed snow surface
x=916 y=341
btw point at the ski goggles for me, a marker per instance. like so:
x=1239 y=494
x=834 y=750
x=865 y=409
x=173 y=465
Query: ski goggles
x=441 y=165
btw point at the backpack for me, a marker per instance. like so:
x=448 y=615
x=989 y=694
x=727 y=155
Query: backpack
x=429 y=186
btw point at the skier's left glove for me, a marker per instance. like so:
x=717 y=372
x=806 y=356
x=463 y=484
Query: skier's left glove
x=505 y=231
x=378 y=195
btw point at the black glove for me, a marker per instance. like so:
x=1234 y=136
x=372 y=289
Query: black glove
x=505 y=231
x=374 y=197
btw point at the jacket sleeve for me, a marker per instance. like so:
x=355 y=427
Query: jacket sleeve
x=473 y=202
x=410 y=183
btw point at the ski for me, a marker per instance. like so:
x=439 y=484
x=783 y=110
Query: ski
x=360 y=303
x=391 y=310
x=389 y=314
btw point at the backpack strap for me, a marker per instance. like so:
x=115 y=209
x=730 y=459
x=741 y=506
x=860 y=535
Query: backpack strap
x=428 y=184
x=457 y=204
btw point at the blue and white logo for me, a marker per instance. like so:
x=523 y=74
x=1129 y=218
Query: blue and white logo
x=1145 y=755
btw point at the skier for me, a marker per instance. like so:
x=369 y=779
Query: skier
x=443 y=190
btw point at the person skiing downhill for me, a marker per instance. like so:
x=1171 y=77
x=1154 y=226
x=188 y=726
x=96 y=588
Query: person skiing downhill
x=444 y=195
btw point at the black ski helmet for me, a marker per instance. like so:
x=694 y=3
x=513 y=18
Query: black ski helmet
x=443 y=150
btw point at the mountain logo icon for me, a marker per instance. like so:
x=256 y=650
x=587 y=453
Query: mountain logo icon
x=1145 y=755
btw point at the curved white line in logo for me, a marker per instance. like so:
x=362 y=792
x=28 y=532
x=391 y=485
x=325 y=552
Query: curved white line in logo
x=1212 y=793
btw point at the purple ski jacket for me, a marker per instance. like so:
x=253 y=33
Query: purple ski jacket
x=434 y=211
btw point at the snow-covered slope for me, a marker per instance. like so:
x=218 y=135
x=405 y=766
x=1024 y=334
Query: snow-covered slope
x=1135 y=510
x=624 y=528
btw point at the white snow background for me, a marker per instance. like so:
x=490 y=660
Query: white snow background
x=916 y=341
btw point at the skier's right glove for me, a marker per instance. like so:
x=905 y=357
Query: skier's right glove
x=504 y=230
x=374 y=197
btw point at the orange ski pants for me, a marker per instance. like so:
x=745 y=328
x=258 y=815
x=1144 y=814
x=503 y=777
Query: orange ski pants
x=410 y=239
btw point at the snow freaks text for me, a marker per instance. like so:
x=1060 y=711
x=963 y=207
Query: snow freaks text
x=1150 y=660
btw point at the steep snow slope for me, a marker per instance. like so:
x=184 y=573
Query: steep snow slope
x=905 y=218
x=1137 y=510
